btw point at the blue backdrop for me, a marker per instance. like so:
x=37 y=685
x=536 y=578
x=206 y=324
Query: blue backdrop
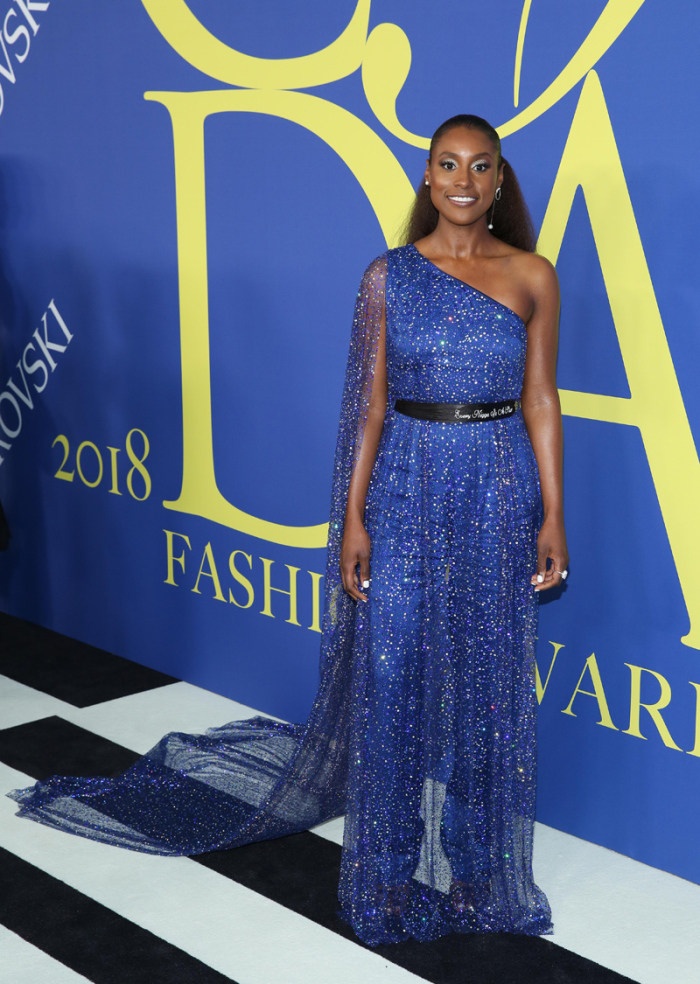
x=189 y=193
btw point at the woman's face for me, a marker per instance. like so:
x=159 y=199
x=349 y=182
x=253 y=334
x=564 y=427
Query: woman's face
x=463 y=173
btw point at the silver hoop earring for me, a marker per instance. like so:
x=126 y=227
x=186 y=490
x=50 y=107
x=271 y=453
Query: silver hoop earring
x=497 y=194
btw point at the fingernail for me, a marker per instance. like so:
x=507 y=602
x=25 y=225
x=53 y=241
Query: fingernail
x=365 y=584
x=365 y=600
x=540 y=578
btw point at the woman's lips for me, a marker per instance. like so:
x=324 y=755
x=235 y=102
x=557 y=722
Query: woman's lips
x=461 y=200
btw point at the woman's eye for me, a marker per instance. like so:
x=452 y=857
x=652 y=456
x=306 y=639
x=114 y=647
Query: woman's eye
x=448 y=165
x=481 y=166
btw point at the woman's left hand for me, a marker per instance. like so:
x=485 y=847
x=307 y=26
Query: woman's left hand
x=551 y=545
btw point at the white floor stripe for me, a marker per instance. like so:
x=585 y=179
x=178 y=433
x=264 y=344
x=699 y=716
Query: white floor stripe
x=332 y=830
x=23 y=963
x=141 y=720
x=637 y=920
x=20 y=704
x=230 y=928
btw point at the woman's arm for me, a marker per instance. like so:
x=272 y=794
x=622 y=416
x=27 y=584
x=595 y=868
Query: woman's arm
x=355 y=547
x=542 y=414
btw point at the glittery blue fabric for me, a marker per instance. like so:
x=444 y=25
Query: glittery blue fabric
x=424 y=725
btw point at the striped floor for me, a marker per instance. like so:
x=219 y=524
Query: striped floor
x=72 y=910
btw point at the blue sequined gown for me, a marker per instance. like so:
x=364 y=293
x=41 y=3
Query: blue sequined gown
x=423 y=729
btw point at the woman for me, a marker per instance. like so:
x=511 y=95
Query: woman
x=444 y=497
x=423 y=728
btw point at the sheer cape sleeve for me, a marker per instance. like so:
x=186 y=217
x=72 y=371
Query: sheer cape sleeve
x=255 y=779
x=359 y=380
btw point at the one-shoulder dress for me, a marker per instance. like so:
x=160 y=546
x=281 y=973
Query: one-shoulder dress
x=423 y=729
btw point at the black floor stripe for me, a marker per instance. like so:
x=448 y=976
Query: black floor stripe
x=87 y=936
x=54 y=747
x=69 y=670
x=301 y=873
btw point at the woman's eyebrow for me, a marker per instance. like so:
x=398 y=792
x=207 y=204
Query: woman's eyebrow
x=454 y=153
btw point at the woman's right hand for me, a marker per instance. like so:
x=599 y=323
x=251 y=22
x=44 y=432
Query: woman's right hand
x=354 y=551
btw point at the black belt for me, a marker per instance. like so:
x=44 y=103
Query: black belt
x=455 y=413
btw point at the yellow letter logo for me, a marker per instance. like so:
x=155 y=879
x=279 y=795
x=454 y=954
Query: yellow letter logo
x=590 y=160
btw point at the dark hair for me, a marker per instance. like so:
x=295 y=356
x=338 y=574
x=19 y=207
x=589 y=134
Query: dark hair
x=511 y=218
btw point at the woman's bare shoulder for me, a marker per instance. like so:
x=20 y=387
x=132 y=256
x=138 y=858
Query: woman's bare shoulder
x=536 y=274
x=536 y=268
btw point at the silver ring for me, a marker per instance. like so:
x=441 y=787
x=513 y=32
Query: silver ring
x=564 y=574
